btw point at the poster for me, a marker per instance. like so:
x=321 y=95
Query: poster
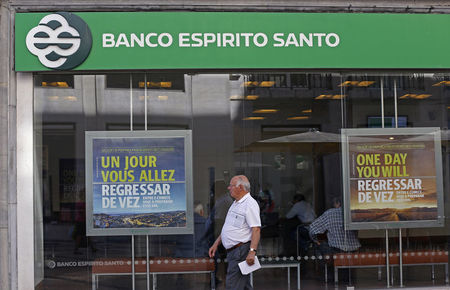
x=71 y=180
x=392 y=178
x=139 y=182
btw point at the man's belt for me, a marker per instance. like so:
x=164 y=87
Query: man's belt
x=237 y=246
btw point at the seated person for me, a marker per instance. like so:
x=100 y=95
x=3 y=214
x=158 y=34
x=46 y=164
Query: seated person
x=298 y=218
x=301 y=209
x=196 y=245
x=339 y=240
x=331 y=222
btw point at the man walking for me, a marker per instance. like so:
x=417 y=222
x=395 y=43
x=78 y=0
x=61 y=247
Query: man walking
x=240 y=233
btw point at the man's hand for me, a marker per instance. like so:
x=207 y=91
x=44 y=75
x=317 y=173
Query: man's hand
x=251 y=258
x=212 y=250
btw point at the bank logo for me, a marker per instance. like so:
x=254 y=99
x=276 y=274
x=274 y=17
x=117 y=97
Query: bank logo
x=61 y=41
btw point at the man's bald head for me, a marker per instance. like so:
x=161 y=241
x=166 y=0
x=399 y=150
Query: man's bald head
x=239 y=186
x=243 y=180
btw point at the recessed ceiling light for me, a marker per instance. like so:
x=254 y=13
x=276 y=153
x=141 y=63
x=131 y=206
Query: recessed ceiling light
x=415 y=96
x=251 y=97
x=71 y=98
x=165 y=84
x=298 y=118
x=253 y=118
x=307 y=111
x=365 y=83
x=356 y=83
x=330 y=97
x=55 y=84
x=265 y=111
x=441 y=83
x=266 y=84
x=422 y=96
x=163 y=98
x=349 y=83
x=250 y=84
x=236 y=97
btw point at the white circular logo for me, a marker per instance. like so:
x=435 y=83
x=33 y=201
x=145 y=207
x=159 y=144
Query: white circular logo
x=60 y=41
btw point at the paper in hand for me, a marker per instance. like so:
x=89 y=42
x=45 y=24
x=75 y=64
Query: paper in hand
x=246 y=269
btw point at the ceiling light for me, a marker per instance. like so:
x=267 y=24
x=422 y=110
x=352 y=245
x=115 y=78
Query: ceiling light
x=165 y=84
x=163 y=98
x=323 y=97
x=415 y=96
x=250 y=84
x=267 y=84
x=71 y=98
x=422 y=96
x=253 y=118
x=330 y=97
x=356 y=83
x=298 y=118
x=338 y=97
x=441 y=83
x=55 y=84
x=53 y=98
x=307 y=111
x=391 y=138
x=236 y=97
x=265 y=111
x=251 y=97
x=349 y=83
x=365 y=83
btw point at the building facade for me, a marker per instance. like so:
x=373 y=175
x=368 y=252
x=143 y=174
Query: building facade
x=238 y=103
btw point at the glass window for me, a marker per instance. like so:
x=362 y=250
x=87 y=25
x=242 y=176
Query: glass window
x=280 y=129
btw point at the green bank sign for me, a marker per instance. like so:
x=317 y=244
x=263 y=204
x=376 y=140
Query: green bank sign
x=224 y=40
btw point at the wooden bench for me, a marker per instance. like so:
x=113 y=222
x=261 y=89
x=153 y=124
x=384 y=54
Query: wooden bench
x=157 y=266
x=378 y=260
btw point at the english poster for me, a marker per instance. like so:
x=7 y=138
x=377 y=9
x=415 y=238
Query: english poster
x=393 y=177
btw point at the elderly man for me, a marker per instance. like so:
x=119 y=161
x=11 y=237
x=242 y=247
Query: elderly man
x=339 y=240
x=240 y=233
x=332 y=223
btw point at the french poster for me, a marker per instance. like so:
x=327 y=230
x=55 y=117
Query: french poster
x=138 y=182
x=394 y=177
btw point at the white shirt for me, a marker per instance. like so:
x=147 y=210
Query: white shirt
x=303 y=211
x=242 y=216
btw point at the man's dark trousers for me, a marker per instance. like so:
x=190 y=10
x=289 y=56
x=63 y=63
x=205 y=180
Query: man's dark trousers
x=235 y=279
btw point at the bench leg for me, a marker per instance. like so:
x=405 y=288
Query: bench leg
x=432 y=272
x=93 y=282
x=392 y=275
x=213 y=281
x=326 y=272
x=154 y=281
x=379 y=273
x=298 y=276
x=289 y=277
x=446 y=274
x=336 y=274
